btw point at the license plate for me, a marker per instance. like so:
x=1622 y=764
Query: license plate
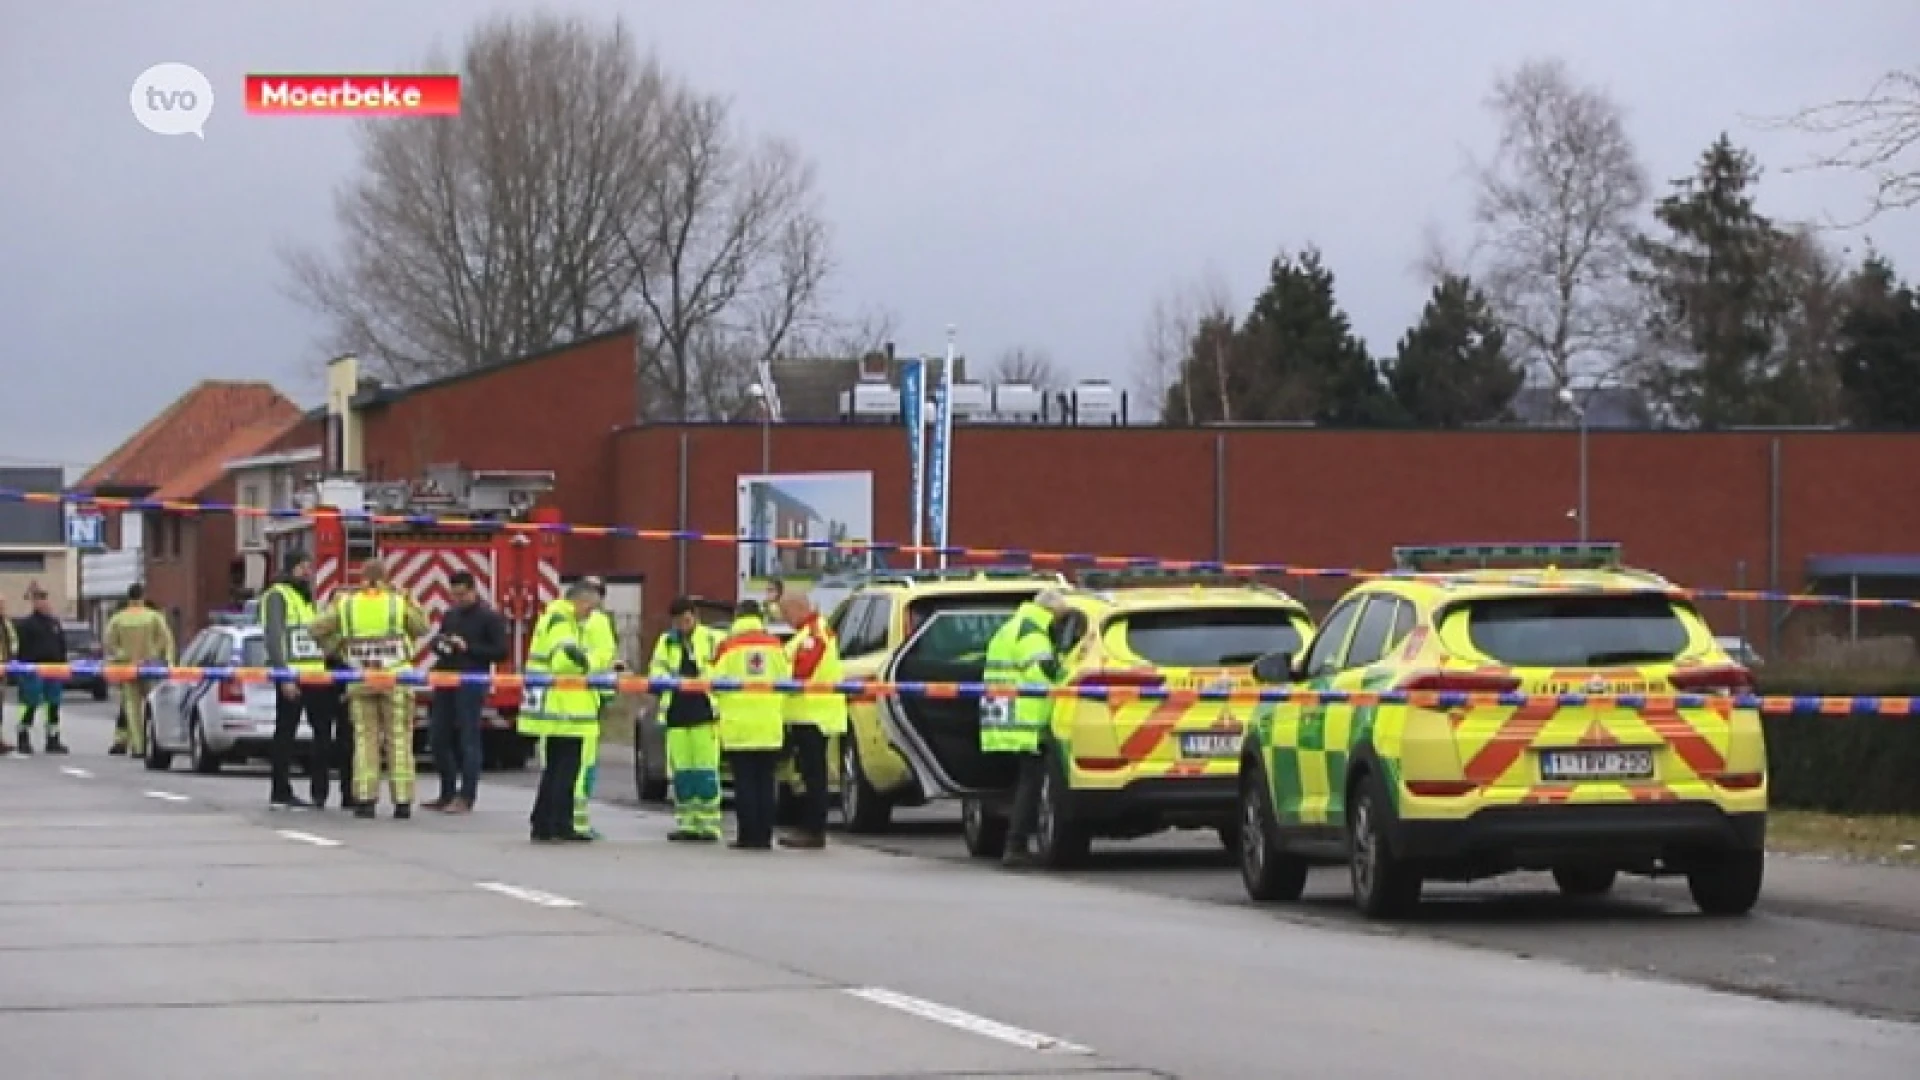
x=1596 y=765
x=1207 y=744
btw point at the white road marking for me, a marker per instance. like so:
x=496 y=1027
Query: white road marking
x=165 y=796
x=81 y=773
x=531 y=896
x=308 y=838
x=966 y=1021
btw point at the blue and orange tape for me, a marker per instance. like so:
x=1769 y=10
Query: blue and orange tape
x=865 y=689
x=998 y=556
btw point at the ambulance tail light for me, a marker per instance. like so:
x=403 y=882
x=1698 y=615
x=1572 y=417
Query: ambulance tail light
x=1461 y=682
x=232 y=693
x=1728 y=679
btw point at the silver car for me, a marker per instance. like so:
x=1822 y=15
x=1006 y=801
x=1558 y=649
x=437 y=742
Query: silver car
x=211 y=721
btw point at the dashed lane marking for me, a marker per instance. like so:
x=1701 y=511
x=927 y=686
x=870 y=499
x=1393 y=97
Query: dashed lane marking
x=966 y=1021
x=531 y=896
x=164 y=796
x=308 y=838
x=81 y=773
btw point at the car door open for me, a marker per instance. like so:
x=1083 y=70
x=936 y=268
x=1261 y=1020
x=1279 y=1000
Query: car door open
x=941 y=735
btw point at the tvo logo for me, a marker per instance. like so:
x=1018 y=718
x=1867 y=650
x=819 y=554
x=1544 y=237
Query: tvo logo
x=172 y=99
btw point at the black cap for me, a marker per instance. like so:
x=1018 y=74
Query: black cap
x=684 y=605
x=747 y=609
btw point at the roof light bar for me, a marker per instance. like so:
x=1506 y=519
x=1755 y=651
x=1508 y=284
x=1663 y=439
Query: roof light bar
x=1429 y=558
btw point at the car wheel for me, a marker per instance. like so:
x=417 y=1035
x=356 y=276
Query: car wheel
x=649 y=781
x=157 y=760
x=862 y=808
x=1585 y=880
x=204 y=759
x=1270 y=873
x=1727 y=883
x=1384 y=886
x=1060 y=842
x=100 y=692
x=984 y=830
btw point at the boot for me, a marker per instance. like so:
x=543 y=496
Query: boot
x=24 y=744
x=801 y=839
x=1018 y=855
x=54 y=745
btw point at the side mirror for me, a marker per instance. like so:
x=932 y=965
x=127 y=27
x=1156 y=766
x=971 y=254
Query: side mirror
x=1274 y=668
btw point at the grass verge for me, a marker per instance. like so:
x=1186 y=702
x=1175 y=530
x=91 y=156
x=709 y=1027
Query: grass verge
x=1891 y=838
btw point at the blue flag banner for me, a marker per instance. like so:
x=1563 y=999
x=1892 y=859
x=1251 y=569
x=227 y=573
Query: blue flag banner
x=913 y=410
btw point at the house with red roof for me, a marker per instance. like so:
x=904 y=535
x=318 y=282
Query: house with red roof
x=180 y=454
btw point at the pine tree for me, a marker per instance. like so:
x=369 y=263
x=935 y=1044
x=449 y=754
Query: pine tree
x=1452 y=369
x=1719 y=308
x=1879 y=355
x=1300 y=357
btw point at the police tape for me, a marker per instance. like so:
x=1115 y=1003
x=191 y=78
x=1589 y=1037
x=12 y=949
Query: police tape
x=865 y=689
x=985 y=555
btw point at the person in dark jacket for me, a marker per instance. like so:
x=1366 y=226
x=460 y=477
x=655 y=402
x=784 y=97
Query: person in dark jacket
x=286 y=610
x=472 y=638
x=40 y=640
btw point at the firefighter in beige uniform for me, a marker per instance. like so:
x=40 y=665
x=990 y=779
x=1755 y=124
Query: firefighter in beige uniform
x=375 y=627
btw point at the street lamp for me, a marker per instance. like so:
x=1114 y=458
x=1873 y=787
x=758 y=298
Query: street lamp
x=1580 y=413
x=759 y=394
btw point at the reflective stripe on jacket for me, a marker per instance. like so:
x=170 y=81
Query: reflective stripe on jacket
x=1020 y=652
x=571 y=711
x=751 y=719
x=824 y=709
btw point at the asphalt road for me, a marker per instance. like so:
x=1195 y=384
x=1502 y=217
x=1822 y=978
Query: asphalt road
x=167 y=925
x=1840 y=934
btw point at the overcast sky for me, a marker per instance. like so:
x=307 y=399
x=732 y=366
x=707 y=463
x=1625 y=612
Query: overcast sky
x=1034 y=172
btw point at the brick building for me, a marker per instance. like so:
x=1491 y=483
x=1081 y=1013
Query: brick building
x=174 y=452
x=1774 y=510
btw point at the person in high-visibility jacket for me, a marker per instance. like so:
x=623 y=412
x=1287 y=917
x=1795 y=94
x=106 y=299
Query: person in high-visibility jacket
x=1021 y=652
x=815 y=717
x=752 y=723
x=568 y=641
x=375 y=627
x=286 y=616
x=140 y=636
x=687 y=651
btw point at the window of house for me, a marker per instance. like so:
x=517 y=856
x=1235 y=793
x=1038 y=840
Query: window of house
x=252 y=527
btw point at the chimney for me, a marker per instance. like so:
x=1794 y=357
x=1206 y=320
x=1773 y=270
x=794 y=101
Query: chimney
x=342 y=453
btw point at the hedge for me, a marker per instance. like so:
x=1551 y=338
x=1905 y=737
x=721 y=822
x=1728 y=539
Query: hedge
x=1843 y=764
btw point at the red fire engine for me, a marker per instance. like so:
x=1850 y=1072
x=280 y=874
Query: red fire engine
x=517 y=570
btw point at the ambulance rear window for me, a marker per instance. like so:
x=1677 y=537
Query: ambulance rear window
x=1576 y=631
x=1211 y=637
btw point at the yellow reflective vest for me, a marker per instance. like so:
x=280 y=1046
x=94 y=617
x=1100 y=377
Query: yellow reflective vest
x=568 y=711
x=303 y=653
x=670 y=650
x=1020 y=652
x=751 y=719
x=824 y=709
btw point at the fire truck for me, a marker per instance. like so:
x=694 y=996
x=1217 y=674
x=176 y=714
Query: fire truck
x=517 y=570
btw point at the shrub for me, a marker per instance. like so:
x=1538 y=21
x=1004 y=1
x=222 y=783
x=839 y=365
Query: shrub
x=1853 y=764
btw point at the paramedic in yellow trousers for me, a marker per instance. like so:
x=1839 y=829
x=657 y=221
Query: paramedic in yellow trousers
x=752 y=723
x=376 y=627
x=815 y=718
x=569 y=640
x=140 y=636
x=692 y=735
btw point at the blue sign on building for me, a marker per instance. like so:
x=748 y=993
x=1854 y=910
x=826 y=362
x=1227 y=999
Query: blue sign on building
x=87 y=530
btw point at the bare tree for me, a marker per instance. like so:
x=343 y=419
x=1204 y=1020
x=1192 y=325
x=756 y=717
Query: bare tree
x=1035 y=367
x=1170 y=337
x=730 y=256
x=1877 y=134
x=466 y=241
x=1556 y=209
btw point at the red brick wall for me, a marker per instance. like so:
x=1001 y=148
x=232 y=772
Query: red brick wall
x=555 y=411
x=1693 y=506
x=193 y=580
